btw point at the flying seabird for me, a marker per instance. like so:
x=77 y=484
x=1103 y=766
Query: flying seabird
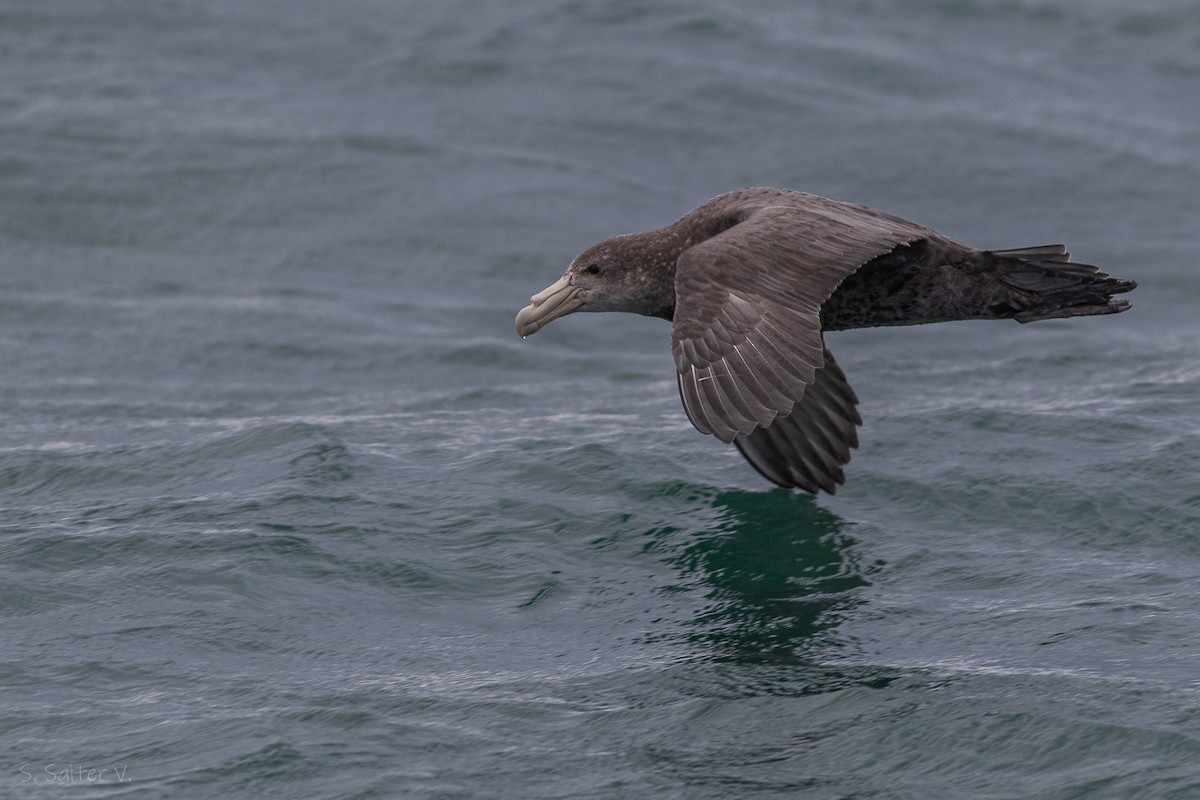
x=752 y=278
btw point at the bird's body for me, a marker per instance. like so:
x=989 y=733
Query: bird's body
x=751 y=279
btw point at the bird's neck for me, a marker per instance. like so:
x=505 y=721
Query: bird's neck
x=672 y=240
x=656 y=253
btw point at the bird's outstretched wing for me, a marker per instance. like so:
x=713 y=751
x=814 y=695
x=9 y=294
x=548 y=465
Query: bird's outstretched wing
x=747 y=327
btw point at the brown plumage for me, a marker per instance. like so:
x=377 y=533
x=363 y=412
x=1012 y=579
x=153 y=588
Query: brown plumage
x=753 y=277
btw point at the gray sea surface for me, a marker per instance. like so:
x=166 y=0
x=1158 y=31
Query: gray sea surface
x=287 y=509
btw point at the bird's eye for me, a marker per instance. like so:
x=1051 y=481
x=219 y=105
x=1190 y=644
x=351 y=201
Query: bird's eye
x=594 y=269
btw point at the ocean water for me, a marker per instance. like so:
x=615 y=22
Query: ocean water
x=288 y=510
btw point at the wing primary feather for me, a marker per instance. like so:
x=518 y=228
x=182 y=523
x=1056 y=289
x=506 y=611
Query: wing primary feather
x=768 y=375
x=803 y=434
x=797 y=371
x=689 y=392
x=742 y=416
x=755 y=391
x=810 y=458
x=720 y=414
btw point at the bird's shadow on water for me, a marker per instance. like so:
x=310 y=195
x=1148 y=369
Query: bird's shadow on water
x=779 y=575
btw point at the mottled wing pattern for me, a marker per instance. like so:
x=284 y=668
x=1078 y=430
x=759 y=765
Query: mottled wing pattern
x=808 y=447
x=747 y=328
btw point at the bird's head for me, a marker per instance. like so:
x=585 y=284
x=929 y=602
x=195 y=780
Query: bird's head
x=625 y=273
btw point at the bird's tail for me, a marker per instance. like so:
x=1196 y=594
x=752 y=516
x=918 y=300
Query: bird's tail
x=1048 y=285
